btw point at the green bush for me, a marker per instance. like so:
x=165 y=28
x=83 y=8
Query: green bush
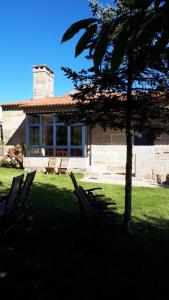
x=14 y=157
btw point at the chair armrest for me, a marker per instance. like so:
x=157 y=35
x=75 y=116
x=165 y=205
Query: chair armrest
x=101 y=200
x=93 y=189
x=97 y=195
x=104 y=203
x=3 y=208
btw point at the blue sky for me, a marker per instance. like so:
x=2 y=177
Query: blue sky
x=31 y=31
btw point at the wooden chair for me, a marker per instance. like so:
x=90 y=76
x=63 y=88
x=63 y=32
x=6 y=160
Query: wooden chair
x=90 y=214
x=86 y=213
x=97 y=203
x=9 y=202
x=51 y=168
x=75 y=184
x=62 y=169
x=20 y=209
x=89 y=191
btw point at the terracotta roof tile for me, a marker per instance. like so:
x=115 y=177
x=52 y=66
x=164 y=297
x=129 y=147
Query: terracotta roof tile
x=52 y=101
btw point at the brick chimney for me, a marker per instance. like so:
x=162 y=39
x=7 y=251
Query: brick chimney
x=43 y=82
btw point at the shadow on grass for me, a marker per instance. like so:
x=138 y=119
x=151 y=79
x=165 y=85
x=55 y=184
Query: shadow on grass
x=53 y=255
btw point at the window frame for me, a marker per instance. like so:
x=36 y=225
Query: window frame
x=54 y=147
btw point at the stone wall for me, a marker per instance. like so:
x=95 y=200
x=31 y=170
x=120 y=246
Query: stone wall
x=163 y=139
x=13 y=127
x=39 y=163
x=107 y=137
x=0 y=114
x=108 y=154
x=152 y=161
x=110 y=158
x=148 y=161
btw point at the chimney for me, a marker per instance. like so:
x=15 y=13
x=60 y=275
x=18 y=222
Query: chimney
x=43 y=82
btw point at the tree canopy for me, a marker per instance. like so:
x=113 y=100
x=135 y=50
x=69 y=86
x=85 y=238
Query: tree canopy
x=138 y=20
x=128 y=86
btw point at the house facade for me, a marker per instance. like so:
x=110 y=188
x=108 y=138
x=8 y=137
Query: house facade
x=38 y=123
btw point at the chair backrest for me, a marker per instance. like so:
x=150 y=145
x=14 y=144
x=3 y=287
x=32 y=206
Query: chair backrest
x=64 y=162
x=14 y=193
x=87 y=203
x=83 y=200
x=72 y=176
x=88 y=209
x=52 y=162
x=26 y=186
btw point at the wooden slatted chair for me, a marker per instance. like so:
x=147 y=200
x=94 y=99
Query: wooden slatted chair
x=52 y=166
x=93 y=215
x=97 y=203
x=9 y=202
x=63 y=168
x=86 y=213
x=20 y=209
x=95 y=199
x=75 y=184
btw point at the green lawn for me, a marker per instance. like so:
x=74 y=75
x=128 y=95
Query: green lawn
x=52 y=255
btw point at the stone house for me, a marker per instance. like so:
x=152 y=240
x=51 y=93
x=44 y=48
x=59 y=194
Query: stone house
x=38 y=124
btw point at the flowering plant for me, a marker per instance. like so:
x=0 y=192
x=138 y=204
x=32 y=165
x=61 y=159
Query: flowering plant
x=14 y=157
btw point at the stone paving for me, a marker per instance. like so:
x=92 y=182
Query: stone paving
x=111 y=178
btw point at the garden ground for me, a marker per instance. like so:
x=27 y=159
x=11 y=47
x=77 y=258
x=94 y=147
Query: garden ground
x=52 y=255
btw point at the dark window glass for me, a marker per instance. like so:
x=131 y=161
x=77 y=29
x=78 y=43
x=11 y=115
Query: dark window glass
x=143 y=139
x=61 y=152
x=76 y=152
x=47 y=118
x=61 y=136
x=47 y=135
x=76 y=135
x=48 y=152
x=34 y=136
x=34 y=151
x=34 y=119
x=59 y=118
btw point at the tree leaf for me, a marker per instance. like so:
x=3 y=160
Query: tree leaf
x=75 y=27
x=151 y=25
x=136 y=4
x=119 y=49
x=102 y=44
x=85 y=39
x=160 y=45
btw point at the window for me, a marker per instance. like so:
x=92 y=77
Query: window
x=46 y=135
x=62 y=152
x=34 y=136
x=76 y=152
x=34 y=119
x=76 y=136
x=143 y=139
x=47 y=118
x=61 y=136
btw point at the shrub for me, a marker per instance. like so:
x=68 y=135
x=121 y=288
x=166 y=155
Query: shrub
x=14 y=157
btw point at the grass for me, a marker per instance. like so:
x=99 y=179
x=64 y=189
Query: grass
x=54 y=256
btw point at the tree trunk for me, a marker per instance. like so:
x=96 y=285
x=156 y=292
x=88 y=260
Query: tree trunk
x=128 y=178
x=128 y=185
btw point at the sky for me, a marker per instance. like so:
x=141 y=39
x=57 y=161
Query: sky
x=31 y=33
